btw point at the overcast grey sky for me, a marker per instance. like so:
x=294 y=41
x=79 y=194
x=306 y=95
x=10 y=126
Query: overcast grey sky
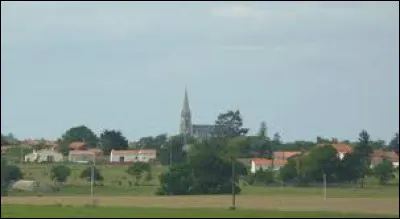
x=307 y=68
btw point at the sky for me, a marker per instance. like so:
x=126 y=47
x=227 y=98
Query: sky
x=307 y=69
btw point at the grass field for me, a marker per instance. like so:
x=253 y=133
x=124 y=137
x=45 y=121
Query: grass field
x=116 y=198
x=118 y=183
x=9 y=211
x=385 y=206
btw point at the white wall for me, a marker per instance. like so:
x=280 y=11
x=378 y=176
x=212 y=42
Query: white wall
x=132 y=157
x=43 y=156
x=255 y=167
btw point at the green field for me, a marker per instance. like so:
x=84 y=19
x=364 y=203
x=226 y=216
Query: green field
x=118 y=183
x=27 y=211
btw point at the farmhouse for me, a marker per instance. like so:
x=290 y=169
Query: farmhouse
x=122 y=156
x=45 y=155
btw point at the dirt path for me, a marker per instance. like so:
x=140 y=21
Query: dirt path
x=364 y=205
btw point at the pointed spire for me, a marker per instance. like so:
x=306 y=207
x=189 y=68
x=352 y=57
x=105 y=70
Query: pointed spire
x=186 y=108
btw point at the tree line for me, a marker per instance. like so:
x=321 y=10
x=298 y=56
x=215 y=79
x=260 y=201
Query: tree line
x=206 y=168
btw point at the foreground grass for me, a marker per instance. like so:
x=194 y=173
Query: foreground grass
x=27 y=211
x=114 y=190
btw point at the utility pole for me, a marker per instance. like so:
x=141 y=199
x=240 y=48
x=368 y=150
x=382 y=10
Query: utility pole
x=324 y=177
x=170 y=156
x=92 y=176
x=233 y=185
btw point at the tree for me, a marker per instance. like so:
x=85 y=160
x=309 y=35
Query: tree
x=9 y=173
x=60 y=173
x=204 y=172
x=322 y=140
x=288 y=172
x=261 y=176
x=136 y=170
x=352 y=168
x=229 y=125
x=238 y=147
x=276 y=140
x=111 y=139
x=384 y=172
x=394 y=143
x=263 y=145
x=79 y=133
x=87 y=175
x=363 y=151
x=172 y=150
x=364 y=148
x=323 y=160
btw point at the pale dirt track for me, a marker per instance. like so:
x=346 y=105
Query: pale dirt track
x=361 y=205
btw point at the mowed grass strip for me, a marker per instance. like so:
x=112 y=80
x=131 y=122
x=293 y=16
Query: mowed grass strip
x=28 y=211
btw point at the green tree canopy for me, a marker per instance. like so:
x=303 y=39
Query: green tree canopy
x=229 y=125
x=111 y=139
x=394 y=143
x=60 y=173
x=86 y=174
x=384 y=172
x=9 y=173
x=137 y=169
x=79 y=133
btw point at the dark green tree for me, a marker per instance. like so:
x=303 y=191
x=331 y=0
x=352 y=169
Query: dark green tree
x=9 y=173
x=111 y=139
x=229 y=125
x=60 y=173
x=288 y=172
x=204 y=172
x=263 y=146
x=86 y=174
x=137 y=169
x=394 y=143
x=276 y=140
x=363 y=151
x=384 y=172
x=79 y=133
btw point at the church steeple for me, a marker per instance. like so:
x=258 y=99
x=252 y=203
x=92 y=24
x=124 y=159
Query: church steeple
x=186 y=117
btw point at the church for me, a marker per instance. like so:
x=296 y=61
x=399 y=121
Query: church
x=195 y=130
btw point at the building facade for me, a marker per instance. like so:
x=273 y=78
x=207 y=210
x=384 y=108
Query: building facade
x=142 y=155
x=44 y=155
x=188 y=128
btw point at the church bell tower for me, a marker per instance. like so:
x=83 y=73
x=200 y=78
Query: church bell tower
x=186 y=126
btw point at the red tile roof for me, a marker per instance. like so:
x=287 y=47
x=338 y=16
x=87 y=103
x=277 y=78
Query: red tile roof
x=340 y=147
x=285 y=154
x=76 y=145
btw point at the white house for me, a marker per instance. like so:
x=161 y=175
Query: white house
x=265 y=164
x=45 y=155
x=143 y=155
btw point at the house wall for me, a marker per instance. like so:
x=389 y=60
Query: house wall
x=255 y=167
x=80 y=157
x=42 y=156
x=132 y=157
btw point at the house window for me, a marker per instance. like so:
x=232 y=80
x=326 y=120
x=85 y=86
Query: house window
x=121 y=159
